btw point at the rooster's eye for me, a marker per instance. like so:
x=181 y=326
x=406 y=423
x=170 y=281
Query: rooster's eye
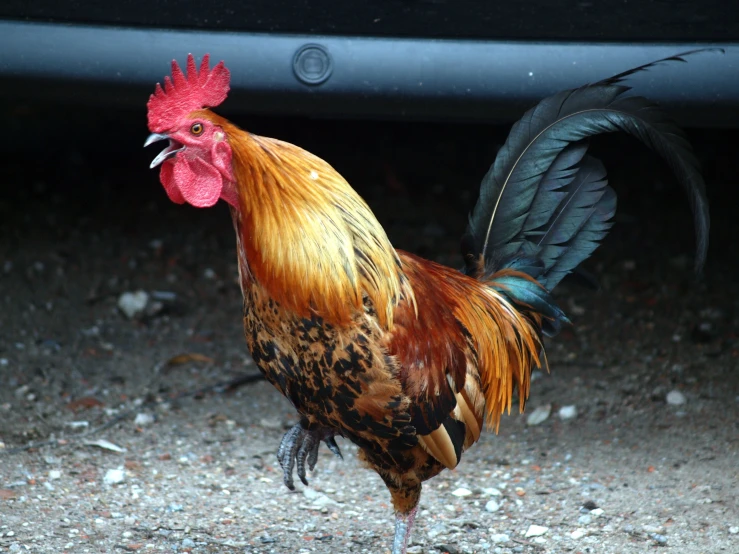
x=196 y=128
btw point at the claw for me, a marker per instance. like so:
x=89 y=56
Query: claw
x=333 y=447
x=308 y=448
x=300 y=445
x=313 y=455
x=286 y=454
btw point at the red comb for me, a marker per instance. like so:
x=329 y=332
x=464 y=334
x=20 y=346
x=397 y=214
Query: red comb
x=181 y=95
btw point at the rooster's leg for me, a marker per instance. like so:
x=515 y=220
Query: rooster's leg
x=300 y=445
x=405 y=491
x=403 y=527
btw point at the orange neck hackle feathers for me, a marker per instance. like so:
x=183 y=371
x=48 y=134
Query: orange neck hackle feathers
x=309 y=238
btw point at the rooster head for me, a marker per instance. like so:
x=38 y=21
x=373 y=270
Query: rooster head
x=196 y=165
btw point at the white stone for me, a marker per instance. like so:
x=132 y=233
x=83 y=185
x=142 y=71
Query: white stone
x=536 y=531
x=462 y=492
x=492 y=506
x=577 y=534
x=539 y=415
x=568 y=412
x=55 y=474
x=675 y=398
x=133 y=303
x=114 y=477
x=143 y=419
x=322 y=501
x=500 y=537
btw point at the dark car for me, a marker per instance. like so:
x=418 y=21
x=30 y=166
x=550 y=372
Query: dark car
x=423 y=59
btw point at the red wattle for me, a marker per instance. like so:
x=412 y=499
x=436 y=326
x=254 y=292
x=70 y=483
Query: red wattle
x=166 y=176
x=198 y=182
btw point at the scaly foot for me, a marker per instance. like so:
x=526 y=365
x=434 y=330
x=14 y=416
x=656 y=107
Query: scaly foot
x=300 y=445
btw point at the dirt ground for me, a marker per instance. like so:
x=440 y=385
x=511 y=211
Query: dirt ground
x=120 y=434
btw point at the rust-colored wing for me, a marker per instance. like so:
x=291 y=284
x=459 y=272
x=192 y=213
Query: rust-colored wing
x=460 y=351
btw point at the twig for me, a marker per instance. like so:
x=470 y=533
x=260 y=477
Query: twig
x=221 y=385
x=75 y=438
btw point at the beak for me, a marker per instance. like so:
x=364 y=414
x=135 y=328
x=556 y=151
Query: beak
x=168 y=152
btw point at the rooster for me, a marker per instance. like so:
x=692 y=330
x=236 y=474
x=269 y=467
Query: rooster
x=406 y=358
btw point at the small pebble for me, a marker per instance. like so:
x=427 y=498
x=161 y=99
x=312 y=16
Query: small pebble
x=55 y=474
x=539 y=415
x=143 y=419
x=78 y=424
x=188 y=543
x=577 y=534
x=319 y=500
x=536 y=531
x=462 y=492
x=492 y=506
x=114 y=477
x=584 y=520
x=675 y=398
x=133 y=303
x=567 y=412
x=659 y=539
x=734 y=530
x=500 y=537
x=597 y=512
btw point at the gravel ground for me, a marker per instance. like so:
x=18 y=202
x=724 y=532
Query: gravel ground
x=137 y=443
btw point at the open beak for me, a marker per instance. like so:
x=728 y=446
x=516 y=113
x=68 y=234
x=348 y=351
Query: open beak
x=168 y=152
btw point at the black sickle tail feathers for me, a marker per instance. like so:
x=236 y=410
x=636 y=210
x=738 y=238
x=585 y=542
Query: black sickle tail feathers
x=545 y=204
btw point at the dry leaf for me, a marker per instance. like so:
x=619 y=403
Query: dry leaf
x=84 y=403
x=189 y=357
